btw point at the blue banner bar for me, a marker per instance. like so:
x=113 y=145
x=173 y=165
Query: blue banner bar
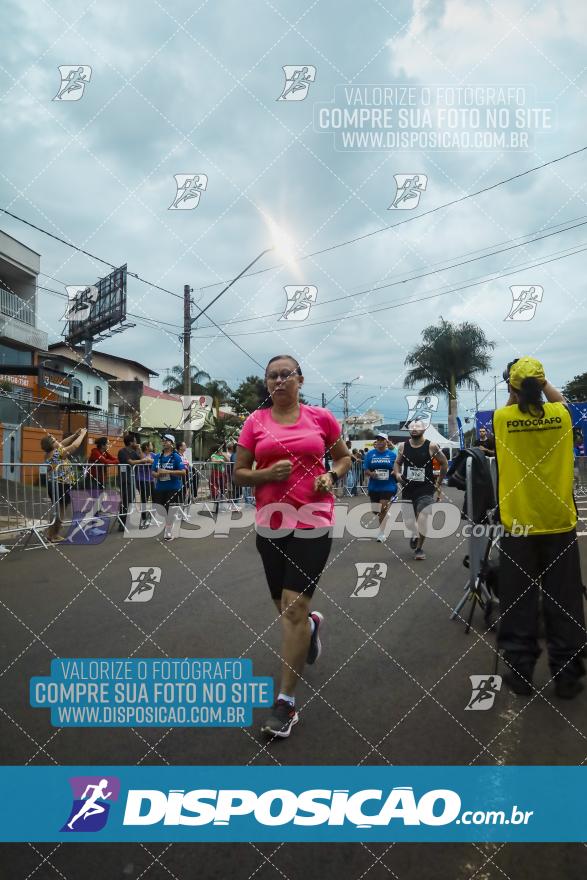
x=325 y=804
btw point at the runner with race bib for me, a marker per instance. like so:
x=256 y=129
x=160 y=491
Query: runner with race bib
x=413 y=469
x=382 y=486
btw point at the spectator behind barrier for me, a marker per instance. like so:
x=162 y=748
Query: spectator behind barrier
x=61 y=477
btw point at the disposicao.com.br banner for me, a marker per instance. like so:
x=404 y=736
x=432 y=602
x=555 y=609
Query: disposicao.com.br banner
x=323 y=804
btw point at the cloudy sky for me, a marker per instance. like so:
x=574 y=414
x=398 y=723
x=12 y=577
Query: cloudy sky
x=180 y=87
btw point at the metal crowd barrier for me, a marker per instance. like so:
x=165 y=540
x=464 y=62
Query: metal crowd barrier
x=25 y=507
x=581 y=476
x=355 y=482
x=36 y=498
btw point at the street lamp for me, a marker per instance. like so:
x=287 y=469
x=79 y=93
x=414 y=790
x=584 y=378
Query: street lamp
x=282 y=245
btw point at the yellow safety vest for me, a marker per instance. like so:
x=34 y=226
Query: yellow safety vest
x=535 y=469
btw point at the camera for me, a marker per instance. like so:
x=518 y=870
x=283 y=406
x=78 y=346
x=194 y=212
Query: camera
x=506 y=372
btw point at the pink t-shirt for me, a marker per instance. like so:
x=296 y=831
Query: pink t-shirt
x=304 y=444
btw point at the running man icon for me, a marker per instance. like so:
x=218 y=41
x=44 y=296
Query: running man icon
x=74 y=79
x=189 y=190
x=369 y=577
x=420 y=408
x=525 y=301
x=92 y=799
x=297 y=82
x=485 y=690
x=90 y=806
x=143 y=580
x=299 y=302
x=409 y=189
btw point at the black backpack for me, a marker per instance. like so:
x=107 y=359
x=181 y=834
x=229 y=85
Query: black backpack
x=484 y=498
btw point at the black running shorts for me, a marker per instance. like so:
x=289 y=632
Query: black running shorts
x=294 y=563
x=419 y=502
x=377 y=497
x=168 y=497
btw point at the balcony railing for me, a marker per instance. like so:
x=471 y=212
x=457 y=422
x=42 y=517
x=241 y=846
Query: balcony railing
x=22 y=409
x=106 y=423
x=13 y=306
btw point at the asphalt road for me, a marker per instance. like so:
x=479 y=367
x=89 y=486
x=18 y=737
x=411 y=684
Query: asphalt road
x=391 y=688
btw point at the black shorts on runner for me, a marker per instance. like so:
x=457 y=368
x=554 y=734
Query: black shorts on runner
x=294 y=563
x=168 y=497
x=376 y=497
x=419 y=502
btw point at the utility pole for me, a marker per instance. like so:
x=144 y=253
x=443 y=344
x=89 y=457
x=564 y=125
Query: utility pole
x=323 y=400
x=345 y=407
x=476 y=404
x=495 y=392
x=187 y=340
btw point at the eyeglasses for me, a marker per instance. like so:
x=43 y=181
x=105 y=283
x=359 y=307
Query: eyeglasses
x=283 y=375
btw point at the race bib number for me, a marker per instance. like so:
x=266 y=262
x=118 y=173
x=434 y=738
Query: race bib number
x=164 y=477
x=416 y=475
x=380 y=474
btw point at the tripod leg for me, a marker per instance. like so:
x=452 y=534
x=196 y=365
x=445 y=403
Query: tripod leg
x=474 y=600
x=461 y=602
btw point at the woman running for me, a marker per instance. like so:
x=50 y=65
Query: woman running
x=287 y=440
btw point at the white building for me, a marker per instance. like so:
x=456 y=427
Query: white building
x=19 y=336
x=368 y=421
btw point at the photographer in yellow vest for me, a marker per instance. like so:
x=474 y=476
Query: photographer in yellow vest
x=534 y=451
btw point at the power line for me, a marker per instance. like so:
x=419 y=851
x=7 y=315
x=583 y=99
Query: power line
x=87 y=253
x=412 y=218
x=431 y=272
x=409 y=302
x=155 y=322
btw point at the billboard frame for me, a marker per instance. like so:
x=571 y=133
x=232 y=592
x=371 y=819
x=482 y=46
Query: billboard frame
x=108 y=310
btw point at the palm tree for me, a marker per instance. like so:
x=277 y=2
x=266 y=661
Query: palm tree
x=448 y=358
x=173 y=381
x=219 y=391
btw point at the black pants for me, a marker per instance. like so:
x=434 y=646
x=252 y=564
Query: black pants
x=127 y=497
x=553 y=561
x=144 y=487
x=168 y=498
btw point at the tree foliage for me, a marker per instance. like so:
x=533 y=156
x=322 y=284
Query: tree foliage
x=448 y=358
x=173 y=382
x=576 y=389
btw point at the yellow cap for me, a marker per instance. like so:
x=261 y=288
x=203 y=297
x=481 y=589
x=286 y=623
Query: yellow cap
x=526 y=368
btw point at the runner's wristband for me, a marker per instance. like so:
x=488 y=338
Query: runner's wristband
x=333 y=475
